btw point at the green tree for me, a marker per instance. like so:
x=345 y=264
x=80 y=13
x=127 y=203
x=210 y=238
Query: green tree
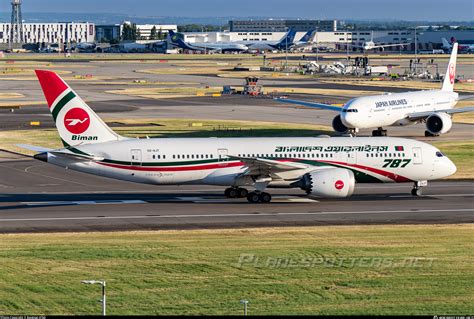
x=130 y=32
x=153 y=34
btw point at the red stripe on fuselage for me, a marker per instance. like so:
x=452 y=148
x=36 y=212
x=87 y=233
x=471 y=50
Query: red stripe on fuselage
x=173 y=169
x=392 y=176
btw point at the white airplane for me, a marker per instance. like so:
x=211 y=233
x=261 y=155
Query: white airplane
x=281 y=45
x=177 y=42
x=371 y=45
x=435 y=107
x=305 y=41
x=324 y=167
x=467 y=48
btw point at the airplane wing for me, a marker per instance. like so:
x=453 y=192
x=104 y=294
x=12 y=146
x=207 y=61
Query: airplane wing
x=465 y=97
x=34 y=148
x=390 y=45
x=421 y=115
x=310 y=104
x=267 y=167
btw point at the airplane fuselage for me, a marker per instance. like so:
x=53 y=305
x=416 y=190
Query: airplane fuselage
x=210 y=160
x=394 y=109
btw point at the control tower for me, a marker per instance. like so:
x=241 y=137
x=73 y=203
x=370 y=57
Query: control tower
x=16 y=27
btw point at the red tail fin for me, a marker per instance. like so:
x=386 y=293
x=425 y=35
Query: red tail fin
x=51 y=84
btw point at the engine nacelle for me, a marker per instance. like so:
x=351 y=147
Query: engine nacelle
x=329 y=183
x=338 y=126
x=439 y=123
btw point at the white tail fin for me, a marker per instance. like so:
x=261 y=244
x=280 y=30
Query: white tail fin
x=448 y=84
x=446 y=44
x=77 y=124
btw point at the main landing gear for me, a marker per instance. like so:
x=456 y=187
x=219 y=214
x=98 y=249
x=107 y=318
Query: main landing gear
x=379 y=132
x=252 y=197
x=416 y=191
x=259 y=197
x=236 y=192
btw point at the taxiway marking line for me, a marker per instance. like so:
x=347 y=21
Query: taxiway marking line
x=235 y=215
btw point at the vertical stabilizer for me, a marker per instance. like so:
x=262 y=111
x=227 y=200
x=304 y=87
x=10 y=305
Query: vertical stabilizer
x=448 y=84
x=75 y=121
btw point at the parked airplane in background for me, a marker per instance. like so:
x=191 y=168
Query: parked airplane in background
x=84 y=46
x=305 y=41
x=176 y=41
x=371 y=45
x=325 y=167
x=467 y=48
x=435 y=107
x=283 y=44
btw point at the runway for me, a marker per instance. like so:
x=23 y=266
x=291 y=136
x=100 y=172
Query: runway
x=37 y=197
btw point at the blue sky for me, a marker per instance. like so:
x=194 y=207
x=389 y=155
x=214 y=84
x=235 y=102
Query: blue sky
x=319 y=9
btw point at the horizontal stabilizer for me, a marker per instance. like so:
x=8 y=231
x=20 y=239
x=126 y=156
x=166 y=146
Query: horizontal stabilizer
x=34 y=148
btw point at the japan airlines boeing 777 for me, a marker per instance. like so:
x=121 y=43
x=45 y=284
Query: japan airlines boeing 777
x=435 y=107
x=324 y=167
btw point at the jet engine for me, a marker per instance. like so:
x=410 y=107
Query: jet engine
x=439 y=123
x=329 y=183
x=338 y=126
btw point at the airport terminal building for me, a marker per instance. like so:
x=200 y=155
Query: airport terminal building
x=52 y=32
x=426 y=40
x=275 y=25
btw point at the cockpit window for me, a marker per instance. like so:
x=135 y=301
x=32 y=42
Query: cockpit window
x=439 y=154
x=350 y=111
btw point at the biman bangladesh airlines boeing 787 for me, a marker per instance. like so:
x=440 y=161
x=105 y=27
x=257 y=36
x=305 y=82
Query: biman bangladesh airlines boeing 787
x=323 y=167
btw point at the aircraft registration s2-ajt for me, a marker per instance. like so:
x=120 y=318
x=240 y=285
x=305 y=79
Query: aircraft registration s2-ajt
x=435 y=107
x=324 y=167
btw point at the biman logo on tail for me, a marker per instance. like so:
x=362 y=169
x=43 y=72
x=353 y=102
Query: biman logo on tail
x=77 y=121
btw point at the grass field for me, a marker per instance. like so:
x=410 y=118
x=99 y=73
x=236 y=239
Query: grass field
x=375 y=270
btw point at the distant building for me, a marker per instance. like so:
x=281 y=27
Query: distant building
x=145 y=29
x=52 y=32
x=282 y=25
x=113 y=32
x=107 y=32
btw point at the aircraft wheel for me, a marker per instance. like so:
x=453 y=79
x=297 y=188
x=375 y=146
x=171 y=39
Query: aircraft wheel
x=232 y=193
x=242 y=192
x=265 y=198
x=417 y=192
x=253 y=197
x=226 y=192
x=429 y=134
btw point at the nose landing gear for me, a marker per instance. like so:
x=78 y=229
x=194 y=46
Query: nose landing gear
x=379 y=132
x=416 y=191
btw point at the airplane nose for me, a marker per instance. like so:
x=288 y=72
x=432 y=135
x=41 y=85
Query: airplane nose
x=348 y=120
x=451 y=167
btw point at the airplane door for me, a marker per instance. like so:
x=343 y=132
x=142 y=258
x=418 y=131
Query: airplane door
x=417 y=156
x=222 y=156
x=136 y=157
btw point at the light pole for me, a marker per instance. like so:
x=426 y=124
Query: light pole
x=99 y=282
x=245 y=302
x=286 y=50
x=416 y=49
